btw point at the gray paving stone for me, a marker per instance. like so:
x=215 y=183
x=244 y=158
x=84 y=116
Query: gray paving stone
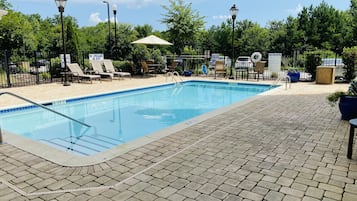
x=274 y=196
x=204 y=197
x=306 y=198
x=285 y=181
x=290 y=191
x=233 y=198
x=166 y=192
x=349 y=197
x=188 y=193
x=251 y=195
x=176 y=197
x=207 y=188
x=145 y=196
x=247 y=185
x=333 y=195
x=219 y=194
x=291 y=198
x=315 y=192
x=331 y=188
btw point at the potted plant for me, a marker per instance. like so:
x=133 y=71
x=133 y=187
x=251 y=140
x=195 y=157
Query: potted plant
x=347 y=101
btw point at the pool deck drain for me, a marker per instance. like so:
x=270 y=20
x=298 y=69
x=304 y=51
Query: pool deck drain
x=290 y=145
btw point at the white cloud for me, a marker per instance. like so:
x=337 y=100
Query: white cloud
x=95 y=19
x=221 y=17
x=295 y=10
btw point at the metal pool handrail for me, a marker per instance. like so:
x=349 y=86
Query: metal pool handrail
x=44 y=107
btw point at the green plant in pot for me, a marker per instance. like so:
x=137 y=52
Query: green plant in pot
x=347 y=101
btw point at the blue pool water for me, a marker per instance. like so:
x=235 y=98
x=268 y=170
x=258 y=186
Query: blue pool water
x=120 y=117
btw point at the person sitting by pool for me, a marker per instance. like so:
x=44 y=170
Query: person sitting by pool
x=204 y=69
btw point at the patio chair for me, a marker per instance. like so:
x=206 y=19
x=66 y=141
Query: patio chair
x=98 y=69
x=146 y=69
x=258 y=70
x=108 y=65
x=78 y=72
x=172 y=66
x=219 y=69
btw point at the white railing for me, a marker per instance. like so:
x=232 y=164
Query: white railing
x=173 y=76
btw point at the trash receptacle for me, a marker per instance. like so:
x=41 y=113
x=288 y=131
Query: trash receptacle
x=325 y=75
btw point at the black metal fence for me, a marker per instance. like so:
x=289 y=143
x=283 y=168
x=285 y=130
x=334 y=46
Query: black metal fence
x=36 y=71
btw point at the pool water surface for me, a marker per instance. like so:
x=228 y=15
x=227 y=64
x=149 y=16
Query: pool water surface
x=120 y=117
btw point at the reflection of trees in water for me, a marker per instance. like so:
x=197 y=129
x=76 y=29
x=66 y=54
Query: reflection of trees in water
x=168 y=116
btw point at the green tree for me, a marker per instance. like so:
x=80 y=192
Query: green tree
x=13 y=30
x=5 y=5
x=183 y=24
x=253 y=39
x=277 y=35
x=72 y=41
x=353 y=13
x=144 y=30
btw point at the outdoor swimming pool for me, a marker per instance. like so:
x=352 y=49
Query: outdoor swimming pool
x=120 y=117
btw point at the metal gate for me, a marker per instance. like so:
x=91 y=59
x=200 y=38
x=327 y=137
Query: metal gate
x=24 y=73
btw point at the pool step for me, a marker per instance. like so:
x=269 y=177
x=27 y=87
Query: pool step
x=85 y=145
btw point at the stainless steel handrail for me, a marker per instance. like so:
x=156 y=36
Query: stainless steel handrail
x=44 y=107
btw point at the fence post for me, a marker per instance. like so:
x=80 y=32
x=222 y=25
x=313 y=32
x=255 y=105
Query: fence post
x=36 y=65
x=7 y=70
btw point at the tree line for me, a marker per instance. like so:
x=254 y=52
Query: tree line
x=315 y=28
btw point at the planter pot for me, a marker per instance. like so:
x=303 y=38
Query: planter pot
x=348 y=107
x=294 y=76
x=187 y=73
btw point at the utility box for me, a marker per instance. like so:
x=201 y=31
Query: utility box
x=325 y=75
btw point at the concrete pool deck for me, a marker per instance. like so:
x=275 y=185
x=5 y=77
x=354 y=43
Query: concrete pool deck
x=284 y=145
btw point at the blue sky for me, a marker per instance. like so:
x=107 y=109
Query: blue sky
x=140 y=12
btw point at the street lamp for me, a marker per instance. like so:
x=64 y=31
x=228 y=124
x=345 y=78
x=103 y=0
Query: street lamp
x=61 y=4
x=115 y=8
x=109 y=38
x=234 y=11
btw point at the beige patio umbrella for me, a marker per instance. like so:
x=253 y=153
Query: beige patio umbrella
x=2 y=13
x=152 y=40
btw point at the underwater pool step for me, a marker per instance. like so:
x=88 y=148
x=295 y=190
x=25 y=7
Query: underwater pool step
x=65 y=146
x=85 y=145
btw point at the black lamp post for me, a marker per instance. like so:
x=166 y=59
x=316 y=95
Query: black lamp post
x=115 y=8
x=234 y=11
x=61 y=4
x=109 y=37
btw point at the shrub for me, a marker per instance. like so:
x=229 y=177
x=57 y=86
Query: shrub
x=313 y=59
x=349 y=57
x=125 y=66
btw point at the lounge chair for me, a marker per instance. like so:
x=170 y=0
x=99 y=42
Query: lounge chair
x=108 y=65
x=219 y=68
x=77 y=72
x=98 y=69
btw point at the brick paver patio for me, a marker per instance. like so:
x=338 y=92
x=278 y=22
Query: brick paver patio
x=287 y=146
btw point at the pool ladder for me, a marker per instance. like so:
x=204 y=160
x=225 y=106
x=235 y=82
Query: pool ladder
x=173 y=76
x=287 y=82
x=46 y=108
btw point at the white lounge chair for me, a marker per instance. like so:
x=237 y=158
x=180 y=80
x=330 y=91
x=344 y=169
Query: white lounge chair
x=108 y=65
x=77 y=72
x=98 y=69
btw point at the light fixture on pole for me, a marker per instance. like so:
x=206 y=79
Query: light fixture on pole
x=109 y=36
x=234 y=11
x=61 y=4
x=115 y=8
